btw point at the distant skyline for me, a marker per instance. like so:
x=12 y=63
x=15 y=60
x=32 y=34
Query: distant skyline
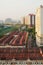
x=17 y=8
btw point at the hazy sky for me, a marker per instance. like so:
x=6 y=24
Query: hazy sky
x=17 y=8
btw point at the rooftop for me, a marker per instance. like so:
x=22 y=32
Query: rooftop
x=32 y=14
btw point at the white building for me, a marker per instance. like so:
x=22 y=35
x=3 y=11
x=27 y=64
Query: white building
x=39 y=26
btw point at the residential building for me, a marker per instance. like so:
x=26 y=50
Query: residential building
x=23 y=20
x=39 y=26
x=30 y=20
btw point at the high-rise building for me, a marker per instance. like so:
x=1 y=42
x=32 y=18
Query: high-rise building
x=39 y=26
x=23 y=20
x=26 y=20
x=30 y=20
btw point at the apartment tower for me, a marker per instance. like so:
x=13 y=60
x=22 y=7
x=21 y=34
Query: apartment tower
x=30 y=20
x=39 y=26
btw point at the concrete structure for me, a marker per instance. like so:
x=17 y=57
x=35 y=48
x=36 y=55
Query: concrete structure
x=27 y=20
x=39 y=26
x=30 y=20
x=23 y=20
x=22 y=62
x=16 y=62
